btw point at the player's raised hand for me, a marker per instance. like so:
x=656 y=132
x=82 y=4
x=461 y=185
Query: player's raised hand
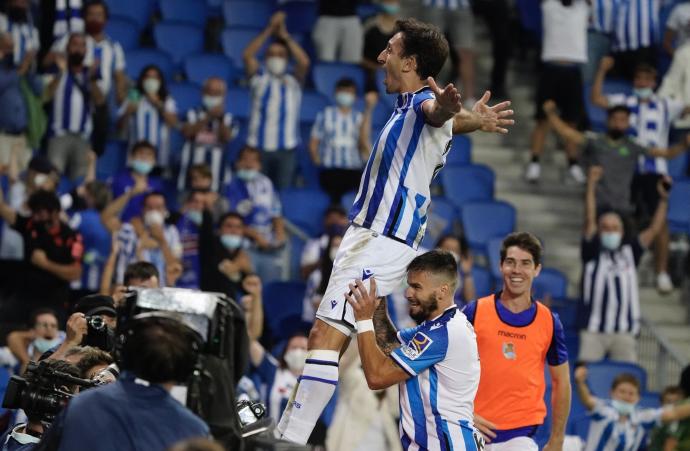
x=363 y=302
x=447 y=98
x=495 y=118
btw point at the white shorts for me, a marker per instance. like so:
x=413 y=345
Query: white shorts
x=362 y=254
x=516 y=444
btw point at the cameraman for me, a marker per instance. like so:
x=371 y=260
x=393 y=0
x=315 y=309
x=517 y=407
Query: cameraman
x=25 y=436
x=137 y=411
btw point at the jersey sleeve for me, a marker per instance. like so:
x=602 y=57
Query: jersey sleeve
x=419 y=100
x=424 y=349
x=558 y=352
x=470 y=310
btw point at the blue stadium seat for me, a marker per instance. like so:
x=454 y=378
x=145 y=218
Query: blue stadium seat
x=139 y=11
x=442 y=219
x=193 y=12
x=313 y=103
x=112 y=161
x=482 y=281
x=579 y=426
x=187 y=96
x=379 y=117
x=202 y=66
x=247 y=13
x=283 y=302
x=234 y=41
x=472 y=182
x=307 y=171
x=567 y=312
x=679 y=208
x=305 y=208
x=123 y=30
x=600 y=376
x=178 y=39
x=678 y=166
x=485 y=220
x=617 y=86
x=494 y=255
x=596 y=115
x=326 y=75
x=137 y=59
x=367 y=11
x=238 y=102
x=348 y=200
x=550 y=283
x=650 y=400
x=301 y=15
x=460 y=151
x=296 y=248
x=4 y=380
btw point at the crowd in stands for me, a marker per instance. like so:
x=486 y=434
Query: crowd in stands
x=133 y=153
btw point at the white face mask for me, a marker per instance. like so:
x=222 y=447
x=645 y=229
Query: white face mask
x=40 y=179
x=154 y=217
x=211 y=102
x=295 y=359
x=151 y=85
x=611 y=240
x=44 y=344
x=276 y=65
x=622 y=407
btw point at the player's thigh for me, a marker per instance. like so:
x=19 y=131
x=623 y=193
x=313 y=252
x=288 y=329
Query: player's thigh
x=623 y=348
x=592 y=346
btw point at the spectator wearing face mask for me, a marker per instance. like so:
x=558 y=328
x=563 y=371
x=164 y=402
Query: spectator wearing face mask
x=158 y=243
x=276 y=98
x=318 y=279
x=149 y=112
x=208 y=130
x=142 y=161
x=340 y=141
x=29 y=345
x=188 y=224
x=201 y=180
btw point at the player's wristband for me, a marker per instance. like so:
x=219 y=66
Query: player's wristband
x=366 y=325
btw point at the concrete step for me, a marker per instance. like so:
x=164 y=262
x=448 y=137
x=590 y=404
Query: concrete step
x=666 y=314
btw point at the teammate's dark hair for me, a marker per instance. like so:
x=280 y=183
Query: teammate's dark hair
x=159 y=350
x=437 y=262
x=44 y=200
x=525 y=241
x=617 y=109
x=91 y=357
x=626 y=378
x=41 y=311
x=426 y=43
x=346 y=83
x=140 y=271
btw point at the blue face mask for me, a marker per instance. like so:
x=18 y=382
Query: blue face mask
x=195 y=216
x=643 y=93
x=390 y=9
x=345 y=99
x=231 y=242
x=622 y=407
x=142 y=167
x=43 y=344
x=611 y=240
x=246 y=174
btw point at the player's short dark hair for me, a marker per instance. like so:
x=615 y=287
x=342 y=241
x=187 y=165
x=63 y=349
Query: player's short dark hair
x=91 y=357
x=140 y=271
x=525 y=241
x=645 y=68
x=41 y=311
x=617 y=109
x=101 y=3
x=426 y=43
x=625 y=378
x=436 y=262
x=143 y=144
x=228 y=215
x=44 y=200
x=346 y=83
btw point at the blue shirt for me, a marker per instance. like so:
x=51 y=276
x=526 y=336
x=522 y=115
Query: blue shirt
x=126 y=415
x=13 y=112
x=122 y=183
x=96 y=238
x=256 y=201
x=189 y=237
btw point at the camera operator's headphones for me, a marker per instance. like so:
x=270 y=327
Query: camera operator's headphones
x=185 y=368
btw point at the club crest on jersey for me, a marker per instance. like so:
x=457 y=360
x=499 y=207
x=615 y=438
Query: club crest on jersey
x=509 y=351
x=416 y=347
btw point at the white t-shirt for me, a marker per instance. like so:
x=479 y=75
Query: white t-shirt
x=679 y=21
x=565 y=31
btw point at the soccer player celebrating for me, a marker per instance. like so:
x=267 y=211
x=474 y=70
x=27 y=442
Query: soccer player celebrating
x=388 y=218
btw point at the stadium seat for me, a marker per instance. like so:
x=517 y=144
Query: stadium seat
x=301 y=16
x=139 y=11
x=283 y=305
x=307 y=171
x=313 y=103
x=238 y=102
x=679 y=208
x=192 y=12
x=550 y=283
x=442 y=218
x=187 y=96
x=473 y=182
x=482 y=281
x=4 y=380
x=326 y=75
x=600 y=376
x=348 y=199
x=305 y=208
x=178 y=39
x=567 y=312
x=650 y=400
x=139 y=58
x=494 y=255
x=202 y=66
x=678 y=167
x=247 y=13
x=296 y=248
x=485 y=220
x=123 y=30
x=234 y=41
x=460 y=151
x=112 y=161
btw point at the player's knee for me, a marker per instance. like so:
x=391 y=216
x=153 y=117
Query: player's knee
x=323 y=336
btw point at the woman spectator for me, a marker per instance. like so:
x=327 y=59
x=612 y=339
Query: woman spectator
x=149 y=112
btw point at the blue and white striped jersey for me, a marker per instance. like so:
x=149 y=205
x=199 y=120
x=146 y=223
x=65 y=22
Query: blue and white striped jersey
x=448 y=4
x=636 y=24
x=148 y=124
x=67 y=18
x=274 y=121
x=608 y=433
x=602 y=14
x=437 y=402
x=650 y=124
x=338 y=135
x=394 y=193
x=71 y=111
x=24 y=36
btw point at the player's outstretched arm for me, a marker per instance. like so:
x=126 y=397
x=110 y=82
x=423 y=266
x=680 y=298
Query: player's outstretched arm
x=490 y=119
x=444 y=106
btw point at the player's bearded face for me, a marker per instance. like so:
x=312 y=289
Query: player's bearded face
x=421 y=308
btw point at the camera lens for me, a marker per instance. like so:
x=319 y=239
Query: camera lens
x=95 y=322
